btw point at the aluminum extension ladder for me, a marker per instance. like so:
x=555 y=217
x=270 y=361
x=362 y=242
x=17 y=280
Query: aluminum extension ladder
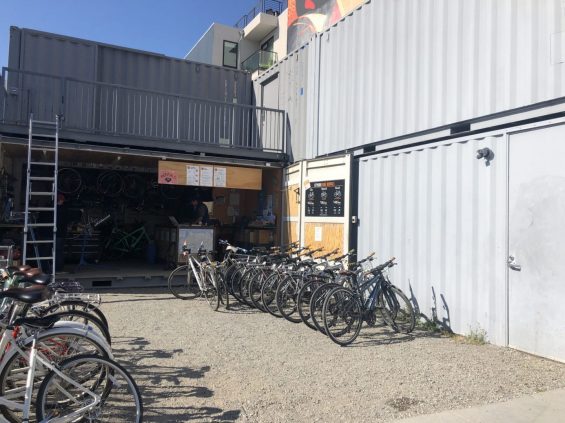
x=40 y=234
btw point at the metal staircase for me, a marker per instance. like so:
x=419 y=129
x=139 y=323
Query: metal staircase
x=40 y=226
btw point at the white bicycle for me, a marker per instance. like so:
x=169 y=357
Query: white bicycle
x=60 y=371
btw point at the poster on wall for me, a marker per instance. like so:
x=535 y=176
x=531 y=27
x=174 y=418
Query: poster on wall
x=307 y=17
x=193 y=175
x=169 y=177
x=220 y=177
x=207 y=176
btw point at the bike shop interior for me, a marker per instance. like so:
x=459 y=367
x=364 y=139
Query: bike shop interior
x=123 y=227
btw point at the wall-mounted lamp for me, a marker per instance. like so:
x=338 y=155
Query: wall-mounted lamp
x=297 y=192
x=487 y=154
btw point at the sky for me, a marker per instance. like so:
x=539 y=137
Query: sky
x=170 y=27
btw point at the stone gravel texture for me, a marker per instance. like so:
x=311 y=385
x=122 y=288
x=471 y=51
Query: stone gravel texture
x=194 y=364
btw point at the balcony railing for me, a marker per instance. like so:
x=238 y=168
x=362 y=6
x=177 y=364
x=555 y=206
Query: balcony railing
x=270 y=7
x=116 y=110
x=260 y=60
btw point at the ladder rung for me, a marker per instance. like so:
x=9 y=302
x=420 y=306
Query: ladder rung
x=41 y=208
x=41 y=193
x=43 y=122
x=44 y=135
x=39 y=258
x=50 y=241
x=40 y=225
x=42 y=178
x=50 y=149
x=42 y=163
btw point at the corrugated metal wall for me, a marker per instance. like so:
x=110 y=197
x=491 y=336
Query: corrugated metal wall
x=398 y=66
x=395 y=67
x=443 y=214
x=293 y=96
x=91 y=61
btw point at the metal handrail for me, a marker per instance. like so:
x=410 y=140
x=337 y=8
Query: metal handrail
x=114 y=109
x=273 y=7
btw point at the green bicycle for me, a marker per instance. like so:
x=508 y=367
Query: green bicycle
x=121 y=242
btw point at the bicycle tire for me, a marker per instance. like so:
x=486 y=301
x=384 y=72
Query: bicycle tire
x=86 y=319
x=268 y=295
x=188 y=288
x=69 y=181
x=287 y=290
x=235 y=284
x=78 y=305
x=17 y=362
x=210 y=291
x=341 y=304
x=303 y=301
x=317 y=304
x=134 y=187
x=254 y=289
x=110 y=184
x=105 y=370
x=400 y=311
x=222 y=290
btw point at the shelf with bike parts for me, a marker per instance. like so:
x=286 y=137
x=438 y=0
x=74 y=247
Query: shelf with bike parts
x=241 y=206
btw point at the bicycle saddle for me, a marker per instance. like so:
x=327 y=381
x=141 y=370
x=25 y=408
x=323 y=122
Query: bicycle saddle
x=31 y=295
x=11 y=270
x=37 y=322
x=39 y=278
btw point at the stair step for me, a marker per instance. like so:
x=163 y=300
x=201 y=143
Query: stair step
x=40 y=225
x=39 y=258
x=50 y=241
x=41 y=193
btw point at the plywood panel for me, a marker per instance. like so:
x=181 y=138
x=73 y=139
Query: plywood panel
x=291 y=207
x=332 y=236
x=236 y=177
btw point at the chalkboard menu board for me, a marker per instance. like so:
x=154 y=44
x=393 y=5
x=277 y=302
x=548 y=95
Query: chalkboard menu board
x=326 y=199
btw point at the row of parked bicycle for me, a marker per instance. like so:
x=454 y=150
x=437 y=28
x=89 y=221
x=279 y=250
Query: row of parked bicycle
x=330 y=294
x=56 y=360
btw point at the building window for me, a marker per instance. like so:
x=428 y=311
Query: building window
x=268 y=45
x=230 y=55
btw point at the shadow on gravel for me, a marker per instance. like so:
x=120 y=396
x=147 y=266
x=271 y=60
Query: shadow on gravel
x=164 y=386
x=384 y=336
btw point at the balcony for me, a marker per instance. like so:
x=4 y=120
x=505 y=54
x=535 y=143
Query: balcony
x=260 y=60
x=261 y=20
x=128 y=116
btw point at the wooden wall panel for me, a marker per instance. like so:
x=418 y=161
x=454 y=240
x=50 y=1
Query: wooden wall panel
x=332 y=236
x=291 y=206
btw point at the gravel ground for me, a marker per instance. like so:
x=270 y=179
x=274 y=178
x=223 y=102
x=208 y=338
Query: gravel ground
x=193 y=364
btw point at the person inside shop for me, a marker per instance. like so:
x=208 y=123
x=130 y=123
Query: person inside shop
x=198 y=212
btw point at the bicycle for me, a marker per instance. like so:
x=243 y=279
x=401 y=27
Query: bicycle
x=122 y=242
x=69 y=181
x=110 y=184
x=345 y=308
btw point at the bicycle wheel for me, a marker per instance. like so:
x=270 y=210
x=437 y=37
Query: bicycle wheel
x=269 y=292
x=317 y=304
x=55 y=347
x=303 y=301
x=209 y=291
x=235 y=284
x=86 y=319
x=74 y=305
x=134 y=187
x=69 y=181
x=254 y=289
x=394 y=302
x=244 y=287
x=285 y=297
x=182 y=283
x=342 y=316
x=119 y=397
x=110 y=183
x=222 y=291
